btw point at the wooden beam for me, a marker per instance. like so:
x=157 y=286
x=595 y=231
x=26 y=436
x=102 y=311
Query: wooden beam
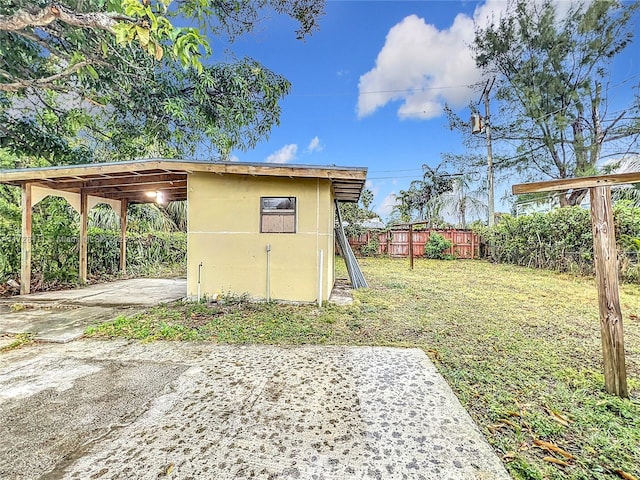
x=606 y=260
x=140 y=187
x=25 y=250
x=577 y=183
x=120 y=180
x=411 y=245
x=155 y=166
x=142 y=197
x=84 y=220
x=123 y=236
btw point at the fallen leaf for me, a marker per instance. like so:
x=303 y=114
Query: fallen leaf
x=494 y=428
x=509 y=456
x=553 y=448
x=625 y=475
x=435 y=353
x=510 y=423
x=558 y=417
x=556 y=461
x=169 y=469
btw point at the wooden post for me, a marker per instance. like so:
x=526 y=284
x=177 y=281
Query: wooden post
x=411 y=245
x=606 y=261
x=473 y=246
x=123 y=236
x=25 y=244
x=84 y=219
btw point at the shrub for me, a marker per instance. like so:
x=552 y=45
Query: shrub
x=560 y=240
x=435 y=247
x=371 y=247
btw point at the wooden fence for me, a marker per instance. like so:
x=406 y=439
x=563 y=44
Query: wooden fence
x=395 y=243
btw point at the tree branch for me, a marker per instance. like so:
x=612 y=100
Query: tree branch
x=47 y=15
x=22 y=84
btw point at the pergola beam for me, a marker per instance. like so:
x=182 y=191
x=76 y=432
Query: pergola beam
x=577 y=183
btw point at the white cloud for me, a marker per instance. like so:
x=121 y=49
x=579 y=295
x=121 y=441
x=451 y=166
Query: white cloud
x=314 y=145
x=384 y=210
x=425 y=67
x=234 y=158
x=284 y=155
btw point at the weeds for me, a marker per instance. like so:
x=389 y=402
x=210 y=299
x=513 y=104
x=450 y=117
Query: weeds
x=19 y=340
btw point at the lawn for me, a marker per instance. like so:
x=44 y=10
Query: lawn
x=520 y=347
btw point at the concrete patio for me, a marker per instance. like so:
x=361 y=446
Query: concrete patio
x=119 y=409
x=62 y=316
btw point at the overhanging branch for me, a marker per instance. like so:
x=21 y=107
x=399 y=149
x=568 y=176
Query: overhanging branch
x=42 y=17
x=22 y=84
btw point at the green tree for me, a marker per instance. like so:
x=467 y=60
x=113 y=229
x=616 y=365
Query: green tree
x=465 y=199
x=551 y=73
x=423 y=200
x=353 y=214
x=85 y=80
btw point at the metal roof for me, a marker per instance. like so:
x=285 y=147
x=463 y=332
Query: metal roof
x=132 y=180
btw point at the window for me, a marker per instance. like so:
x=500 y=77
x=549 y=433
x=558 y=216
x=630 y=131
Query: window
x=278 y=215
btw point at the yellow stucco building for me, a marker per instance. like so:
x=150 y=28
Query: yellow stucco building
x=269 y=236
x=241 y=245
x=265 y=230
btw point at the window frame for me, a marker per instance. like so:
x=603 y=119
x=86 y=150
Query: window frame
x=280 y=212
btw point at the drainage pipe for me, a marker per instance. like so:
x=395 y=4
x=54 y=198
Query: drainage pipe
x=320 y=272
x=268 y=272
x=199 y=279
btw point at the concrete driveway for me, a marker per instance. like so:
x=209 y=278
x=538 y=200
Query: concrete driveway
x=62 y=316
x=118 y=409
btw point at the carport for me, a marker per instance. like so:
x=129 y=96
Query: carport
x=144 y=181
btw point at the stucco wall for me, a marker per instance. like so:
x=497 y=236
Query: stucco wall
x=224 y=234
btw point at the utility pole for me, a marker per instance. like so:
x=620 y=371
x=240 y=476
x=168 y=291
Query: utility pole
x=478 y=124
x=487 y=129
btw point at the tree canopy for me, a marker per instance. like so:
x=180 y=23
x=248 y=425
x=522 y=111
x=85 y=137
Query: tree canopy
x=553 y=85
x=95 y=80
x=422 y=201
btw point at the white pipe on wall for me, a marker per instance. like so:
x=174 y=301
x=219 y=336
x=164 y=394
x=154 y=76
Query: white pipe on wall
x=320 y=270
x=268 y=272
x=199 y=279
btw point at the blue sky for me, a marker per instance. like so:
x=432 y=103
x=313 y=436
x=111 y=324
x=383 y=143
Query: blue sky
x=368 y=88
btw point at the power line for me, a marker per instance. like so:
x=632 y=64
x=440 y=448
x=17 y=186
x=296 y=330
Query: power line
x=372 y=92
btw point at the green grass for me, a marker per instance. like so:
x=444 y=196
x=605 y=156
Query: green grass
x=520 y=347
x=18 y=340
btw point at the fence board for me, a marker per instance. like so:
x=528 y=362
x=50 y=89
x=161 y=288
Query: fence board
x=395 y=243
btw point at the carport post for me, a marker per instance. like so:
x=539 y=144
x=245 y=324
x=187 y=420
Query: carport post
x=25 y=244
x=606 y=260
x=83 y=235
x=123 y=236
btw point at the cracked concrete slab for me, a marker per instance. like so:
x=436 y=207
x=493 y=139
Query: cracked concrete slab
x=131 y=292
x=62 y=316
x=98 y=409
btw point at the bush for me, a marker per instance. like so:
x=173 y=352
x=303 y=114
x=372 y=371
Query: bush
x=560 y=240
x=371 y=248
x=435 y=247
